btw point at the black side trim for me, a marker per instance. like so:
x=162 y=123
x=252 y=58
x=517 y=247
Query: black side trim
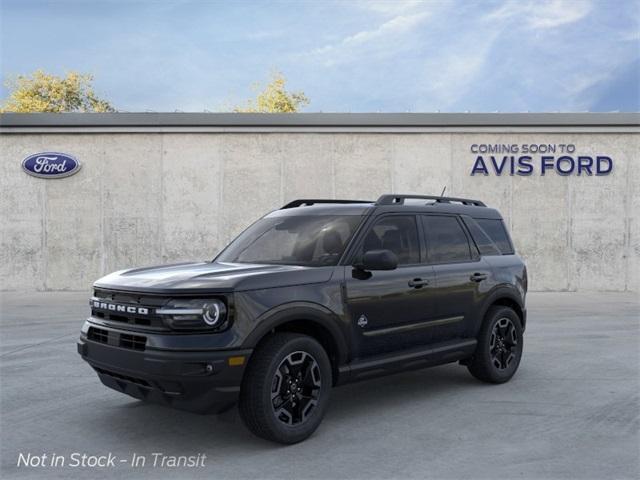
x=412 y=326
x=426 y=356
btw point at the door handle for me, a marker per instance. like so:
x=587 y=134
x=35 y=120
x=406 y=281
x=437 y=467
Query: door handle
x=478 y=277
x=418 y=283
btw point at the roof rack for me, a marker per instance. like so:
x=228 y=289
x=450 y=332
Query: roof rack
x=399 y=200
x=308 y=201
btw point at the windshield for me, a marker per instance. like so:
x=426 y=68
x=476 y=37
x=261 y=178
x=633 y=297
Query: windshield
x=312 y=241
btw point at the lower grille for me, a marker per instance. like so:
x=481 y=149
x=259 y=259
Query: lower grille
x=126 y=378
x=98 y=335
x=123 y=340
x=134 y=342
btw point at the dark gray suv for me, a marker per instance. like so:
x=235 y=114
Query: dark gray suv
x=313 y=295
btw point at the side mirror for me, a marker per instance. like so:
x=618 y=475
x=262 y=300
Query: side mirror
x=379 y=260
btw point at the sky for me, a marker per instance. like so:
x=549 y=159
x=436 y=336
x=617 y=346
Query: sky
x=347 y=56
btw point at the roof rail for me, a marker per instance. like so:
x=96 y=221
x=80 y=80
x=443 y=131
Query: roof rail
x=391 y=199
x=308 y=201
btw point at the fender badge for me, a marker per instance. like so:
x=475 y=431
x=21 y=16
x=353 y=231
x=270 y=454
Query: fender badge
x=362 y=321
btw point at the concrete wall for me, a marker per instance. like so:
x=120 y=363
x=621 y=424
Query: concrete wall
x=149 y=198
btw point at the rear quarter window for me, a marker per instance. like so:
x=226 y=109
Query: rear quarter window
x=485 y=245
x=496 y=231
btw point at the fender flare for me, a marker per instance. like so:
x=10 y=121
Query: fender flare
x=300 y=311
x=497 y=293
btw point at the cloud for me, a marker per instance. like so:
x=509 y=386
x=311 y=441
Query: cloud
x=559 y=12
x=260 y=35
x=396 y=26
x=632 y=35
x=381 y=40
x=542 y=15
x=453 y=70
x=347 y=56
x=390 y=7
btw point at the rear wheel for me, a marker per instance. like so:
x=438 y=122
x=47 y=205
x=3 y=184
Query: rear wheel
x=499 y=346
x=286 y=388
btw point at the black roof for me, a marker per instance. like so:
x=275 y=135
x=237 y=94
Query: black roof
x=389 y=203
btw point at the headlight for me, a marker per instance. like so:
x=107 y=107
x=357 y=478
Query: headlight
x=194 y=314
x=212 y=313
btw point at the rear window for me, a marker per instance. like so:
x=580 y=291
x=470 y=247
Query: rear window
x=497 y=232
x=446 y=240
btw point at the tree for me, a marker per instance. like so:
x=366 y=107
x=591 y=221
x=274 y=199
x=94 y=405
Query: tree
x=42 y=92
x=275 y=98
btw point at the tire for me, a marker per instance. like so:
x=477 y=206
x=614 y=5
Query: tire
x=285 y=390
x=498 y=356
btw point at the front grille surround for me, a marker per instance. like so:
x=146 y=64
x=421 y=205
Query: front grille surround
x=130 y=320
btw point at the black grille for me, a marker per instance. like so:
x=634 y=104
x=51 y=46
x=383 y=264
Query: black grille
x=148 y=321
x=133 y=342
x=98 y=335
x=132 y=320
x=123 y=340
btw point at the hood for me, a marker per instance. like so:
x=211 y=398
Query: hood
x=212 y=277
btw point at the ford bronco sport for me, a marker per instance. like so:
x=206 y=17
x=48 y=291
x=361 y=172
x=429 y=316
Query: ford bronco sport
x=313 y=295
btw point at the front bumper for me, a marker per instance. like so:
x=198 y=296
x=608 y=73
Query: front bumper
x=197 y=381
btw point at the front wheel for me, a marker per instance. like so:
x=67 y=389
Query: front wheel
x=286 y=388
x=499 y=346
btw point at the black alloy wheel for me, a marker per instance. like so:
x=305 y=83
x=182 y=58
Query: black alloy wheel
x=286 y=387
x=500 y=345
x=295 y=388
x=504 y=342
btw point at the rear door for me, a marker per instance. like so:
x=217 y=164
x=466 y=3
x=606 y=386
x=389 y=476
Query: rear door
x=388 y=310
x=462 y=277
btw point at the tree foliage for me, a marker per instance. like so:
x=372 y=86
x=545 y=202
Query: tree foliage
x=43 y=92
x=275 y=98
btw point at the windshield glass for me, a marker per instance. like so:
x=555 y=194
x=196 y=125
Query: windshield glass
x=312 y=241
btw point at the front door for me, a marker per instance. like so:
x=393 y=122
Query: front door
x=389 y=309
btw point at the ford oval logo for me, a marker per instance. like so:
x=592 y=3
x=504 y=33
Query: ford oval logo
x=50 y=165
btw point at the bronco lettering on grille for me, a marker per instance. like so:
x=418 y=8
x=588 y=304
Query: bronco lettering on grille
x=119 y=308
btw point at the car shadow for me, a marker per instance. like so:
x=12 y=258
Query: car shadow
x=378 y=395
x=133 y=420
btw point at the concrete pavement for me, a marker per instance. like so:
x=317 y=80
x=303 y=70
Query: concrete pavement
x=572 y=411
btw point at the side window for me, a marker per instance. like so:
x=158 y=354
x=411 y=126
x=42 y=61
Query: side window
x=398 y=234
x=446 y=240
x=484 y=243
x=496 y=231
